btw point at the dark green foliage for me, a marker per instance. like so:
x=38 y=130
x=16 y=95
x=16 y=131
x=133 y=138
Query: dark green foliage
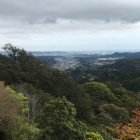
x=3 y=135
x=99 y=94
x=82 y=103
x=27 y=68
x=113 y=85
x=125 y=71
x=128 y=99
x=111 y=114
x=58 y=121
x=108 y=108
x=99 y=105
x=48 y=59
x=82 y=74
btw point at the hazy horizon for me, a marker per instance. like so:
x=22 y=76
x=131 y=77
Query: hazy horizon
x=81 y=51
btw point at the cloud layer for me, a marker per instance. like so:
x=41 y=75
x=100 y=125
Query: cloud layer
x=38 y=21
x=43 y=11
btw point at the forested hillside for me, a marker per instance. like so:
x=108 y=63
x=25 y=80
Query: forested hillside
x=38 y=102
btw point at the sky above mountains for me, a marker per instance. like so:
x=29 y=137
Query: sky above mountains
x=64 y=25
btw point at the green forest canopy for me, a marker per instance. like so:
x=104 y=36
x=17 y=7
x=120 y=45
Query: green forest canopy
x=52 y=106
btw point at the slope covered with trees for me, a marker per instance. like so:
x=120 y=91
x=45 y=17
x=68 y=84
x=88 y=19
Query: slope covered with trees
x=48 y=105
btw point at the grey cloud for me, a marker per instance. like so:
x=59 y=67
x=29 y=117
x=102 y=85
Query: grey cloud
x=48 y=11
x=50 y=20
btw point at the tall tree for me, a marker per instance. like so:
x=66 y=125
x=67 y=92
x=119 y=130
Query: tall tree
x=59 y=123
x=12 y=51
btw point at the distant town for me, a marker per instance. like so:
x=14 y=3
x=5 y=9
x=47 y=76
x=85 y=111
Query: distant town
x=65 y=60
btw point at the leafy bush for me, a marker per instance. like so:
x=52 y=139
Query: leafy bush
x=93 y=136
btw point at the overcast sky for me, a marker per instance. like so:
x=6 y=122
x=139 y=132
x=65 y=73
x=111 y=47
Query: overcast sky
x=66 y=25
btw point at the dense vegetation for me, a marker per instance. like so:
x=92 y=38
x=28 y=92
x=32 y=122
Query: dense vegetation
x=38 y=102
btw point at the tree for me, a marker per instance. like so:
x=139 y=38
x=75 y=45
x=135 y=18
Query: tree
x=13 y=122
x=58 y=121
x=111 y=114
x=11 y=50
x=99 y=94
x=9 y=109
